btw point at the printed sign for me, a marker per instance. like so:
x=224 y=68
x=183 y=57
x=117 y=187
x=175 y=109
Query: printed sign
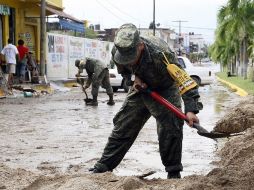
x=183 y=80
x=57 y=56
x=76 y=51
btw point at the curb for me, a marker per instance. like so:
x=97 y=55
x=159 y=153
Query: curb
x=66 y=82
x=2 y=94
x=43 y=87
x=235 y=88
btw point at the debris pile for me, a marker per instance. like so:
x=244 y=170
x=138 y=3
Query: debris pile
x=239 y=119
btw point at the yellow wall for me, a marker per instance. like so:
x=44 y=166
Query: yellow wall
x=56 y=3
x=27 y=21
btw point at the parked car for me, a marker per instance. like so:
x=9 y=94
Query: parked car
x=201 y=75
x=117 y=81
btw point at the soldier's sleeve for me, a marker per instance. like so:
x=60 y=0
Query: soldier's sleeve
x=191 y=101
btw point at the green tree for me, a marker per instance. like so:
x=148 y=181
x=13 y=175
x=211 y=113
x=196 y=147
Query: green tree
x=234 y=31
x=89 y=33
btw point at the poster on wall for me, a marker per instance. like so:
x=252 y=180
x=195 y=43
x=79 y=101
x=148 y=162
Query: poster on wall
x=91 y=48
x=98 y=49
x=29 y=38
x=76 y=51
x=104 y=52
x=57 y=56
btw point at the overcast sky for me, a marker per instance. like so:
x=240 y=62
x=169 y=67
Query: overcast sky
x=200 y=14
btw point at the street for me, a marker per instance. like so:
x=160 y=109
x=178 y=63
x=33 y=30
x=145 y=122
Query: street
x=58 y=133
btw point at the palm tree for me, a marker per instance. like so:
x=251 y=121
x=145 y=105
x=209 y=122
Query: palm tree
x=235 y=29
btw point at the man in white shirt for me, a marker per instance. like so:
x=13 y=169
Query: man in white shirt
x=10 y=52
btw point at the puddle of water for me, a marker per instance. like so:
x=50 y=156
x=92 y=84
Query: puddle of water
x=70 y=133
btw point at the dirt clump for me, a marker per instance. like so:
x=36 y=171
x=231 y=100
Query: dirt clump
x=15 y=179
x=239 y=119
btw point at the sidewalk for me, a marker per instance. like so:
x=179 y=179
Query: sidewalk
x=239 y=91
x=42 y=88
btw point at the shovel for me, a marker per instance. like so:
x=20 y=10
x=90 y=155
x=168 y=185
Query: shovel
x=81 y=80
x=86 y=99
x=200 y=130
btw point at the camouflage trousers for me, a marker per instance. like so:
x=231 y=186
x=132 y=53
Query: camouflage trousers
x=136 y=110
x=103 y=81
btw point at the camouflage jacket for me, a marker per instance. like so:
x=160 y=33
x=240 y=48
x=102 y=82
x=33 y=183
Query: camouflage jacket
x=154 y=73
x=93 y=67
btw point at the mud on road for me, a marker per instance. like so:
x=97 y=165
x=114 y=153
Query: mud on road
x=51 y=141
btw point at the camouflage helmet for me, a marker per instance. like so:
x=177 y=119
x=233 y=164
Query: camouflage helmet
x=126 y=41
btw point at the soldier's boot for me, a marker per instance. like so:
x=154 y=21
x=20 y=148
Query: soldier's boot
x=100 y=168
x=94 y=102
x=174 y=175
x=111 y=102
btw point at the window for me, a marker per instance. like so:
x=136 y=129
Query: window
x=181 y=62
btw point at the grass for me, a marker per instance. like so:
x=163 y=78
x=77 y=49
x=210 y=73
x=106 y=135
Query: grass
x=246 y=85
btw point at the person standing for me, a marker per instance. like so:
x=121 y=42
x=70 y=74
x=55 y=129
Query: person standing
x=144 y=58
x=98 y=75
x=22 y=62
x=10 y=52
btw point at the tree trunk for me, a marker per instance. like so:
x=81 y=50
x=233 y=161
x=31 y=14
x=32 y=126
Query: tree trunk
x=240 y=67
x=237 y=63
x=245 y=58
x=234 y=65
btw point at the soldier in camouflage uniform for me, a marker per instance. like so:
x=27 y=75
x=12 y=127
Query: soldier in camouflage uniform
x=98 y=74
x=143 y=57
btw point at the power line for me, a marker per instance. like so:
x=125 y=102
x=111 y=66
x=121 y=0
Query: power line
x=179 y=22
x=196 y=27
x=110 y=11
x=123 y=12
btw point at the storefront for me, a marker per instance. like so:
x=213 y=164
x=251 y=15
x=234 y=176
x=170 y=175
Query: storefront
x=4 y=11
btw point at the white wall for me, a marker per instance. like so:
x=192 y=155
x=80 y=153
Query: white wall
x=63 y=50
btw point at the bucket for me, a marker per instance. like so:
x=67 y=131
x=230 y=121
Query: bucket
x=28 y=94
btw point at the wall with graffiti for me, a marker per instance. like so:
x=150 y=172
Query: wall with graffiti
x=62 y=51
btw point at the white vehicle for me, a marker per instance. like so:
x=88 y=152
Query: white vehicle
x=201 y=75
x=117 y=81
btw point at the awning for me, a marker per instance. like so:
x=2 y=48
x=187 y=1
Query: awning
x=62 y=14
x=70 y=25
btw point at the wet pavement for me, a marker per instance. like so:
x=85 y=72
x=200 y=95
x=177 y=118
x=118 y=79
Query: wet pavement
x=58 y=133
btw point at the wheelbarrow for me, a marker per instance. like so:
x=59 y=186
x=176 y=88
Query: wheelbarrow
x=200 y=130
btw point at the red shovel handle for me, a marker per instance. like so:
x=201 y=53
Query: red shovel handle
x=170 y=106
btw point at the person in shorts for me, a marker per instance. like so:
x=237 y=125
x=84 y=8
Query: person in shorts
x=10 y=52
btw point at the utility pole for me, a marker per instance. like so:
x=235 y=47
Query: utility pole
x=179 y=41
x=42 y=37
x=154 y=17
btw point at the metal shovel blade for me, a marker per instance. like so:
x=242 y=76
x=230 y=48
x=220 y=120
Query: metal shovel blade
x=213 y=135
x=87 y=100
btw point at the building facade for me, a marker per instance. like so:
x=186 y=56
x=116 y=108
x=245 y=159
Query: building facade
x=20 y=19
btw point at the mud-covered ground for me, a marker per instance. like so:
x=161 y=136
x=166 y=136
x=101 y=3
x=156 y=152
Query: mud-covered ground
x=49 y=143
